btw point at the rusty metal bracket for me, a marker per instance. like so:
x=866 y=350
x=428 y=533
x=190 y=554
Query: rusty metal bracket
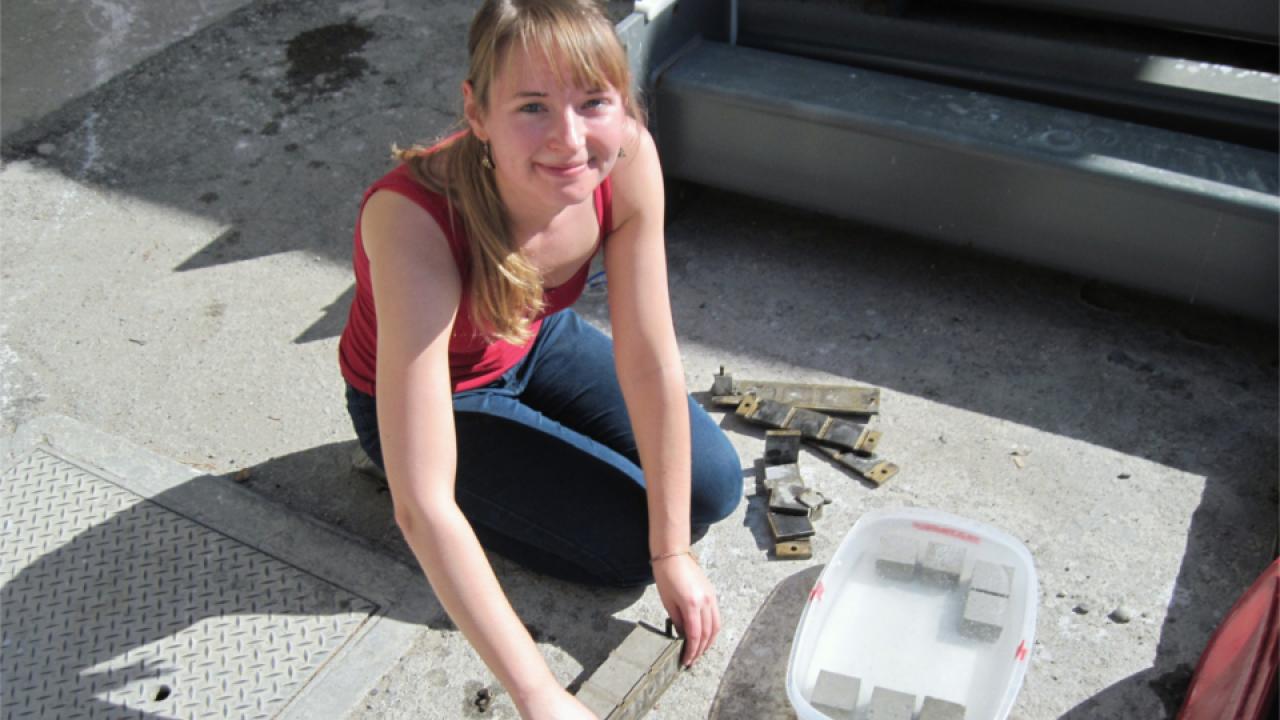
x=791 y=535
x=634 y=675
x=868 y=466
x=827 y=398
x=813 y=425
x=781 y=447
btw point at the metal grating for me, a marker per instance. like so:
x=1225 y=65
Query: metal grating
x=112 y=606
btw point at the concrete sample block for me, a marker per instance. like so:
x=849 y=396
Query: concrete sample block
x=991 y=578
x=935 y=709
x=941 y=564
x=896 y=558
x=889 y=704
x=983 y=617
x=835 y=695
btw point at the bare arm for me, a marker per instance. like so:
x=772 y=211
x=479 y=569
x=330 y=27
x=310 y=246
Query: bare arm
x=652 y=378
x=416 y=290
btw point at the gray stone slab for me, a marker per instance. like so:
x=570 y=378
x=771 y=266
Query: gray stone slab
x=145 y=590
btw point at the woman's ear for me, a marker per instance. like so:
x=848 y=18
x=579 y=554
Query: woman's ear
x=472 y=112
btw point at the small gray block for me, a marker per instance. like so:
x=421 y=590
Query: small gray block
x=891 y=705
x=834 y=713
x=983 y=617
x=941 y=564
x=991 y=578
x=897 y=557
x=935 y=709
x=836 y=691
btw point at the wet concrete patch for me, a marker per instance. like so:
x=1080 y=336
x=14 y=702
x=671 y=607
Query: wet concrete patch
x=326 y=59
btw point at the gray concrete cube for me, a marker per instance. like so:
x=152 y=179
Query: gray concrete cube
x=835 y=694
x=896 y=557
x=941 y=564
x=991 y=578
x=935 y=709
x=983 y=616
x=889 y=704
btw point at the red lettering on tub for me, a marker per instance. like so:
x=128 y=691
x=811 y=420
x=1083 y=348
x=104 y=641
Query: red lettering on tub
x=1021 y=653
x=944 y=530
x=816 y=592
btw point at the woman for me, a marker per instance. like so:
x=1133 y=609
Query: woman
x=501 y=419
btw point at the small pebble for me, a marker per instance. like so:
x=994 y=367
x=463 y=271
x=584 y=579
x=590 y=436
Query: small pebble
x=1080 y=609
x=1060 y=594
x=1121 y=615
x=46 y=149
x=1124 y=476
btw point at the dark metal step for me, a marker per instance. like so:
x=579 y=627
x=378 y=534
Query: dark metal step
x=1189 y=83
x=1172 y=213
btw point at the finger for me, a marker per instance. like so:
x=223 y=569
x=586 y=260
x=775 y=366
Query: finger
x=715 y=615
x=692 y=638
x=708 y=627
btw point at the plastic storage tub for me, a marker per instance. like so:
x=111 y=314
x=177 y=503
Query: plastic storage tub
x=956 y=626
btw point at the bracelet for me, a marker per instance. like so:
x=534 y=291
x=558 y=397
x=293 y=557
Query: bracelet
x=664 y=556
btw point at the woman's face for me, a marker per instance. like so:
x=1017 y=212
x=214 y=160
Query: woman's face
x=552 y=144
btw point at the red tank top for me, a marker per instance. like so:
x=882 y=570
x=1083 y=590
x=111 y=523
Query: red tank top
x=473 y=360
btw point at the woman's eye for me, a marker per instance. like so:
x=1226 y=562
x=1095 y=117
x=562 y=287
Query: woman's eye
x=595 y=103
x=531 y=108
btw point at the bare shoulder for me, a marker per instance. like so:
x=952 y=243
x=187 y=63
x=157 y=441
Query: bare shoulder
x=397 y=231
x=637 y=180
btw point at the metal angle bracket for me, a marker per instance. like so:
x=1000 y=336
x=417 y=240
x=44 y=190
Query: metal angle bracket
x=855 y=399
x=813 y=425
x=869 y=466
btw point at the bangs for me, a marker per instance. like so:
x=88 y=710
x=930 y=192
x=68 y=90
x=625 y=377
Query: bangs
x=578 y=50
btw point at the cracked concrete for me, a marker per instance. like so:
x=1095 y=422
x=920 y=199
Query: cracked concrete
x=176 y=271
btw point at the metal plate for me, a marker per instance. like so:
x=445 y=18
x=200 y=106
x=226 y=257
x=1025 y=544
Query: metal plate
x=117 y=607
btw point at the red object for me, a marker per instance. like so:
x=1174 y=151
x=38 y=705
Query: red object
x=473 y=361
x=816 y=592
x=1236 y=677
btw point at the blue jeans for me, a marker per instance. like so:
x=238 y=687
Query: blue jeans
x=548 y=473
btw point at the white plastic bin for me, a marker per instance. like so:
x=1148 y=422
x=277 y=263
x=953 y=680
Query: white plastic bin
x=907 y=632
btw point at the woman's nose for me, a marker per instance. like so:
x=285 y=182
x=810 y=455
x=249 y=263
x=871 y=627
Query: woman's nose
x=569 y=129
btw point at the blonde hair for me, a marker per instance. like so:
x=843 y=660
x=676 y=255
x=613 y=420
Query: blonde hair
x=505 y=288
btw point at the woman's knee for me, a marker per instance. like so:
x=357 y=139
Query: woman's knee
x=717 y=480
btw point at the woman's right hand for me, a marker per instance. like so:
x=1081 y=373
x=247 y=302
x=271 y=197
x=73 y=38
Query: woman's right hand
x=554 y=703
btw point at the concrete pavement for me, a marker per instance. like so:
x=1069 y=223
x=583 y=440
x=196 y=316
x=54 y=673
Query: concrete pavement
x=174 y=272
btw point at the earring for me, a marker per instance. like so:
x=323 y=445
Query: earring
x=487 y=159
x=621 y=153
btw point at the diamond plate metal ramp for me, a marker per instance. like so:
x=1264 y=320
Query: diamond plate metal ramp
x=198 y=601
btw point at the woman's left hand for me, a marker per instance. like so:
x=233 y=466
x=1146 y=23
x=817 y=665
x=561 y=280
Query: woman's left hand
x=690 y=601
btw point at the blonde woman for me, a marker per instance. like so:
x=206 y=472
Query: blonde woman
x=503 y=420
